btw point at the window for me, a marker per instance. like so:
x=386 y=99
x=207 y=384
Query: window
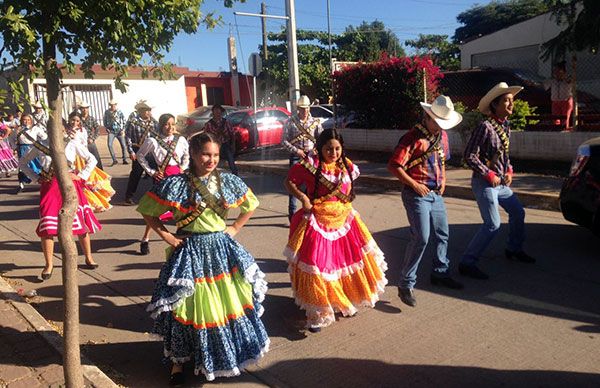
x=215 y=96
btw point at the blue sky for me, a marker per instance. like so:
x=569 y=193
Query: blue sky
x=207 y=49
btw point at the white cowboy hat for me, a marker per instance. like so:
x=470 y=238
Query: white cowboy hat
x=498 y=90
x=303 y=102
x=442 y=111
x=84 y=104
x=112 y=102
x=37 y=104
x=142 y=105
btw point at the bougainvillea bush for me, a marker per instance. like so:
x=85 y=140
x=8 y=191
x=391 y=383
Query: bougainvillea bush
x=386 y=94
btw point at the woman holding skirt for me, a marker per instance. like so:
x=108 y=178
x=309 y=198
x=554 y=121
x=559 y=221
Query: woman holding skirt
x=8 y=162
x=334 y=263
x=207 y=300
x=84 y=222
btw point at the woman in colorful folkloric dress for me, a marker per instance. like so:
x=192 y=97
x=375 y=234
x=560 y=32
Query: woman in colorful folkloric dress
x=84 y=222
x=25 y=137
x=334 y=263
x=207 y=300
x=97 y=188
x=171 y=153
x=8 y=162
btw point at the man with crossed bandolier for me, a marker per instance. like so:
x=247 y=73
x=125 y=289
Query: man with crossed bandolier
x=299 y=138
x=419 y=163
x=140 y=125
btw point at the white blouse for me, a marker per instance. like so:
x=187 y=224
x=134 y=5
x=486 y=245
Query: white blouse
x=37 y=132
x=72 y=150
x=181 y=156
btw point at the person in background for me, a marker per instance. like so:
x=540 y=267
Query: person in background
x=220 y=128
x=561 y=94
x=39 y=116
x=170 y=151
x=25 y=137
x=487 y=154
x=91 y=126
x=8 y=162
x=207 y=299
x=84 y=221
x=139 y=126
x=114 y=122
x=299 y=137
x=419 y=163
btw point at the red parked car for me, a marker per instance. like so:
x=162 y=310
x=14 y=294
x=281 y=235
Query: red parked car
x=260 y=128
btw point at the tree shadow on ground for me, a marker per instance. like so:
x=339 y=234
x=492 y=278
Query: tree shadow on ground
x=562 y=283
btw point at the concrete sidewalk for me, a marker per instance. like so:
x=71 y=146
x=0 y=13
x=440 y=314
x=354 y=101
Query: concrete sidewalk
x=31 y=349
x=534 y=191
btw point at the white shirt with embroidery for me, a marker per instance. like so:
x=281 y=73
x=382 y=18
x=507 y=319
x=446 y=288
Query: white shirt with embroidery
x=72 y=150
x=181 y=156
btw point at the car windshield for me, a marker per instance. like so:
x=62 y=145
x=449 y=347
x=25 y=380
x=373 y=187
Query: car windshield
x=236 y=117
x=319 y=111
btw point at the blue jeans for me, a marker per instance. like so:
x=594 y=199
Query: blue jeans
x=424 y=213
x=488 y=198
x=292 y=201
x=228 y=153
x=111 y=139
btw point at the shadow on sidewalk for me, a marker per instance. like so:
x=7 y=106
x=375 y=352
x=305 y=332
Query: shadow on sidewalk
x=561 y=284
x=341 y=372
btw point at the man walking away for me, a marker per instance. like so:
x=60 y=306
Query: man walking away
x=114 y=122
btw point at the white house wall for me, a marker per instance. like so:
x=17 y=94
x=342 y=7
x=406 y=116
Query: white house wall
x=163 y=96
x=532 y=32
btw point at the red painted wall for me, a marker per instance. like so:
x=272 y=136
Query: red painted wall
x=216 y=80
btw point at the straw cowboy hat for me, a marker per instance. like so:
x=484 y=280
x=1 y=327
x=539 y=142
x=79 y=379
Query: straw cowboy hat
x=142 y=105
x=303 y=102
x=112 y=102
x=498 y=90
x=83 y=104
x=37 y=104
x=442 y=111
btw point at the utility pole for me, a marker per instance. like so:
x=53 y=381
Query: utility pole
x=263 y=11
x=233 y=68
x=294 y=80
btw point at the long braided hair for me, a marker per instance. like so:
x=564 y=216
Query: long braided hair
x=324 y=137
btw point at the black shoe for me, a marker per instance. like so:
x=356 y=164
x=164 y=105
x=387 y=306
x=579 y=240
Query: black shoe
x=144 y=248
x=114 y=163
x=472 y=271
x=47 y=275
x=129 y=201
x=407 y=296
x=447 y=282
x=91 y=266
x=177 y=379
x=20 y=188
x=125 y=161
x=314 y=329
x=519 y=256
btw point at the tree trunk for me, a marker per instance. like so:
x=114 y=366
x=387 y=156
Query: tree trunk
x=71 y=353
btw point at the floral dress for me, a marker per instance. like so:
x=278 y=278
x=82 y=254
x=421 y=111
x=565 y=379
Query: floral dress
x=207 y=300
x=333 y=261
x=8 y=162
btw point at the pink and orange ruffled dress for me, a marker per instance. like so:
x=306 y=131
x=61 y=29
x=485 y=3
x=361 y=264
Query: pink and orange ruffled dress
x=333 y=261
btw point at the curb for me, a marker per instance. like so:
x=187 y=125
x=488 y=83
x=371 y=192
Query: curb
x=91 y=372
x=535 y=200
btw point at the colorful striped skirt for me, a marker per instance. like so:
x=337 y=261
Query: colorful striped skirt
x=334 y=263
x=207 y=305
x=50 y=204
x=8 y=162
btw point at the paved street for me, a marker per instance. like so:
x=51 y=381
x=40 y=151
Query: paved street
x=530 y=325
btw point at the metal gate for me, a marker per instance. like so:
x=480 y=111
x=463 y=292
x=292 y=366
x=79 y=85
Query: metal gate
x=97 y=96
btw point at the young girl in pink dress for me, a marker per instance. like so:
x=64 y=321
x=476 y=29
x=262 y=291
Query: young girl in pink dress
x=334 y=263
